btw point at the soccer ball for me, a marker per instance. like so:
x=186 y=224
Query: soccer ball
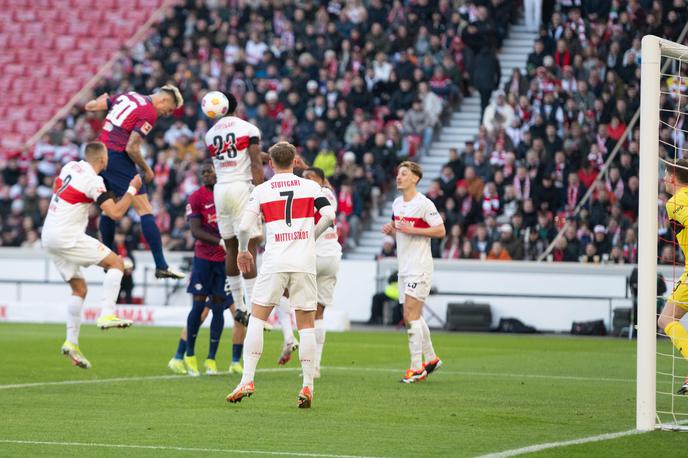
x=215 y=104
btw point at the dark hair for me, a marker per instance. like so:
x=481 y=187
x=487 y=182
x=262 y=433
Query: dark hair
x=318 y=171
x=232 y=103
x=679 y=168
x=282 y=154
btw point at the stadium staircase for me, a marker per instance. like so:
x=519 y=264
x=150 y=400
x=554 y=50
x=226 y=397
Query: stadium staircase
x=462 y=127
x=49 y=49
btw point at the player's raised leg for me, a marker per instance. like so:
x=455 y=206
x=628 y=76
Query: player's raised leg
x=70 y=347
x=152 y=235
x=669 y=321
x=111 y=286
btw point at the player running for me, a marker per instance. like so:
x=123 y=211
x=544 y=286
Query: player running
x=415 y=222
x=328 y=256
x=234 y=146
x=65 y=240
x=288 y=205
x=676 y=183
x=131 y=117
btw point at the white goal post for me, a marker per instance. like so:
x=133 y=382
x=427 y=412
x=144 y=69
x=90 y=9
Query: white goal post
x=653 y=50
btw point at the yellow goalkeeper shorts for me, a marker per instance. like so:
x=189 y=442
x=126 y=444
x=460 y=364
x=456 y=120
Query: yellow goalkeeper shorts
x=680 y=294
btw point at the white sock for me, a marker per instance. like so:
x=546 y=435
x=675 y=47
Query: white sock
x=319 y=341
x=428 y=350
x=253 y=348
x=284 y=315
x=111 y=286
x=237 y=292
x=415 y=338
x=74 y=305
x=248 y=288
x=307 y=355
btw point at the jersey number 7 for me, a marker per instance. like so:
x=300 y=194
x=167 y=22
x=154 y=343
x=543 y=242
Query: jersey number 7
x=287 y=208
x=225 y=147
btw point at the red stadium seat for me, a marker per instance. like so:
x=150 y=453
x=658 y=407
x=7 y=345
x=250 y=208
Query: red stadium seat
x=51 y=48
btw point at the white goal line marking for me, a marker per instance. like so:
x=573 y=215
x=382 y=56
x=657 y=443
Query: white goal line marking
x=341 y=368
x=177 y=449
x=548 y=445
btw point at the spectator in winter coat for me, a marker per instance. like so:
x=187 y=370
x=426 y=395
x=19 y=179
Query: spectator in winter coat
x=498 y=114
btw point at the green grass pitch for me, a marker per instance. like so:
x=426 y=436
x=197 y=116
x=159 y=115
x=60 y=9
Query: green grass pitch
x=495 y=393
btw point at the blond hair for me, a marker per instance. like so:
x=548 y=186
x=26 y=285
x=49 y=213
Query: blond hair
x=174 y=92
x=414 y=168
x=282 y=154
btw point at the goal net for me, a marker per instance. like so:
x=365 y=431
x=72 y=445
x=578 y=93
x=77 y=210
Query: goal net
x=661 y=368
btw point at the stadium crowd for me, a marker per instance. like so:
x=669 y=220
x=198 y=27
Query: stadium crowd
x=545 y=137
x=359 y=86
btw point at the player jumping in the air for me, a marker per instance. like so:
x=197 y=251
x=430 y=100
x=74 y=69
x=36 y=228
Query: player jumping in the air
x=63 y=237
x=234 y=146
x=329 y=255
x=676 y=183
x=288 y=204
x=416 y=221
x=207 y=280
x=131 y=117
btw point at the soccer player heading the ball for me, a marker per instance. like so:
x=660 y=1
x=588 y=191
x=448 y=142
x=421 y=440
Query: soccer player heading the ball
x=676 y=183
x=131 y=117
x=415 y=221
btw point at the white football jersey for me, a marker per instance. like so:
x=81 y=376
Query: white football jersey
x=413 y=251
x=227 y=142
x=328 y=243
x=77 y=187
x=287 y=204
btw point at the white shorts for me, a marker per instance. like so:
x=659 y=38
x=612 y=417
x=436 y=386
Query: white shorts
x=269 y=288
x=417 y=286
x=326 y=278
x=230 y=202
x=86 y=252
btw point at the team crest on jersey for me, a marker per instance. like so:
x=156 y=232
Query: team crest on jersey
x=198 y=286
x=146 y=127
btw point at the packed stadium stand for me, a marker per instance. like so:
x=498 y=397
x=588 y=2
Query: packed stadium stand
x=509 y=150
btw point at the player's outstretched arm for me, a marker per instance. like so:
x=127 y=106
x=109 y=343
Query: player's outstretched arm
x=134 y=152
x=255 y=155
x=99 y=104
x=117 y=210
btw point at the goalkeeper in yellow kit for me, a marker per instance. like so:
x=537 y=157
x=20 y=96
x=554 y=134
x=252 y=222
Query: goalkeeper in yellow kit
x=676 y=183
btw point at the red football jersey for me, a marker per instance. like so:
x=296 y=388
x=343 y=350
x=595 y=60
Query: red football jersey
x=201 y=205
x=127 y=113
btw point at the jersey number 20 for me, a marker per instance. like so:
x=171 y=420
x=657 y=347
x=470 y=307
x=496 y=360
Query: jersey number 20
x=225 y=147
